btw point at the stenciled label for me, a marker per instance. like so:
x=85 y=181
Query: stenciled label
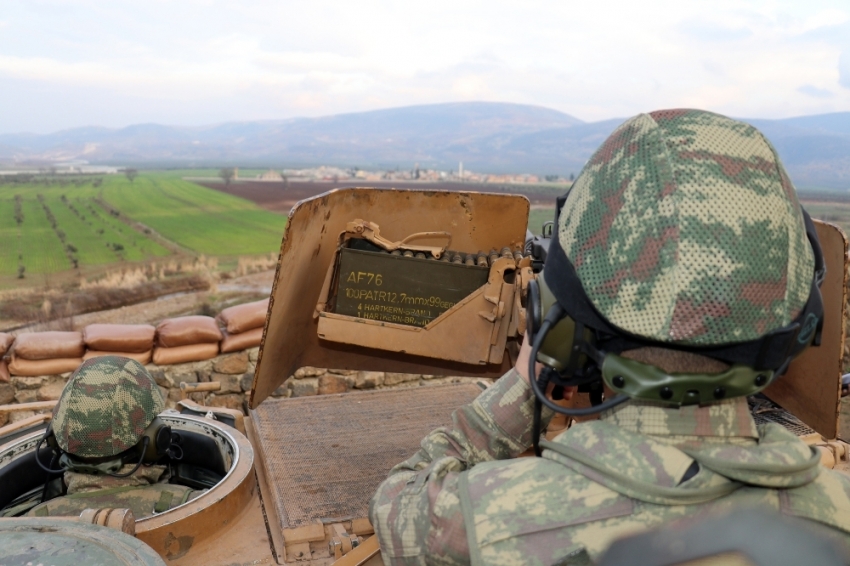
x=401 y=290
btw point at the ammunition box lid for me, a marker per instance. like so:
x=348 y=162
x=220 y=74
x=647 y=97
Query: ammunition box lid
x=476 y=221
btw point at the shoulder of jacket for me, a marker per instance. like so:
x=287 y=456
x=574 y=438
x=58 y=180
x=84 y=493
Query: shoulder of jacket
x=825 y=500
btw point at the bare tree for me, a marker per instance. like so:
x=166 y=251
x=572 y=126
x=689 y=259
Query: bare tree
x=227 y=173
x=131 y=173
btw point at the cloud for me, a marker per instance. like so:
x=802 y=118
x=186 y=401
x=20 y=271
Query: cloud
x=713 y=32
x=844 y=69
x=812 y=90
x=219 y=60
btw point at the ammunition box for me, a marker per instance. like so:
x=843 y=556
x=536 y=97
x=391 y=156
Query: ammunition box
x=412 y=291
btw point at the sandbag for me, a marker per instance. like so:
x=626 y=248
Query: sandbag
x=241 y=341
x=34 y=368
x=49 y=345
x=4 y=372
x=6 y=341
x=183 y=354
x=119 y=337
x=187 y=331
x=143 y=358
x=242 y=318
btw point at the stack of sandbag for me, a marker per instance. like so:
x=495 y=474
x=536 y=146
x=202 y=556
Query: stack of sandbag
x=186 y=339
x=6 y=341
x=243 y=325
x=46 y=353
x=134 y=341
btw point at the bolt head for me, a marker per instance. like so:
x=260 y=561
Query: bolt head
x=666 y=393
x=618 y=381
x=720 y=393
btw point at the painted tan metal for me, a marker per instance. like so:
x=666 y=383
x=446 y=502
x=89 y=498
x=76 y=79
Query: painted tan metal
x=835 y=454
x=474 y=331
x=174 y=533
x=242 y=539
x=237 y=415
x=811 y=390
x=367 y=554
x=372 y=232
x=476 y=221
x=119 y=519
x=265 y=491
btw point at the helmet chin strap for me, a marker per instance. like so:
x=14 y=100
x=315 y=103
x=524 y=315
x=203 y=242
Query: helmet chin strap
x=556 y=313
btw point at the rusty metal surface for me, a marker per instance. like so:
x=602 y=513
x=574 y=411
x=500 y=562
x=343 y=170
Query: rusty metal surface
x=324 y=456
x=811 y=390
x=477 y=221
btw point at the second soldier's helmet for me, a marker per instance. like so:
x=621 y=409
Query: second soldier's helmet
x=106 y=408
x=682 y=232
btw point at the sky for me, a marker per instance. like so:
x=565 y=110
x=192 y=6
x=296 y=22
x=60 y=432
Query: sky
x=72 y=63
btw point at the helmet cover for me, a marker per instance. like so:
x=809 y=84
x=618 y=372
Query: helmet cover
x=684 y=228
x=105 y=407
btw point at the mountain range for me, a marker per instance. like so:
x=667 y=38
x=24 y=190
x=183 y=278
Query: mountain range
x=486 y=136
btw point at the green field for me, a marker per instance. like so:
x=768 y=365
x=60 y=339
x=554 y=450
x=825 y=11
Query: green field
x=538 y=216
x=68 y=222
x=203 y=220
x=836 y=212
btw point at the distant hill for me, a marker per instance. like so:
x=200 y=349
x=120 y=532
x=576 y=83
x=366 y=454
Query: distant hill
x=485 y=136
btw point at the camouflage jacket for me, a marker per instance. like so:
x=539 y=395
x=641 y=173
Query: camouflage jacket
x=145 y=492
x=462 y=499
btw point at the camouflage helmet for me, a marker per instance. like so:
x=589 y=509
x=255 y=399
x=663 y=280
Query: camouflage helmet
x=105 y=408
x=685 y=228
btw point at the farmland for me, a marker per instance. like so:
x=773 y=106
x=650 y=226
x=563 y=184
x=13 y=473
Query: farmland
x=51 y=226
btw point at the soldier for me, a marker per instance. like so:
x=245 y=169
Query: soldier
x=684 y=275
x=108 y=441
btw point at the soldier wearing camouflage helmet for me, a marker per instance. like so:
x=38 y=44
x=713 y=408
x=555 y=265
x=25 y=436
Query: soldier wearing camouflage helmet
x=683 y=277
x=105 y=408
x=105 y=427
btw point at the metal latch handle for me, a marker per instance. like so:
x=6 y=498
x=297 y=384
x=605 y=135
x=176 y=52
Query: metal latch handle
x=371 y=231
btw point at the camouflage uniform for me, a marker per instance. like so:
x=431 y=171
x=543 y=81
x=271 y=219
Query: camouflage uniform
x=462 y=499
x=103 y=411
x=683 y=228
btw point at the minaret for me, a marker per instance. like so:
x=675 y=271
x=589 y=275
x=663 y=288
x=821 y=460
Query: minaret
x=460 y=170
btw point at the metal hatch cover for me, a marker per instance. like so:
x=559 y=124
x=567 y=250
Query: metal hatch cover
x=325 y=456
x=476 y=221
x=65 y=542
